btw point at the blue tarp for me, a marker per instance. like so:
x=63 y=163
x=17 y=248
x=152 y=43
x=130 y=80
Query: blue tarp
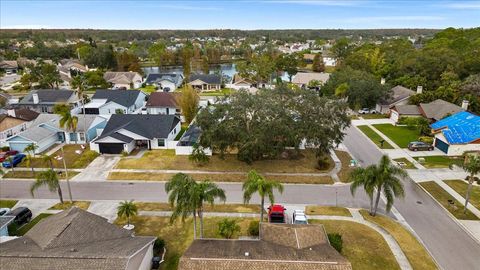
x=460 y=128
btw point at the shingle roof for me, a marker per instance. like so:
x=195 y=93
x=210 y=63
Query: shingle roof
x=147 y=125
x=120 y=77
x=8 y=64
x=123 y=97
x=72 y=239
x=54 y=121
x=5 y=220
x=438 y=109
x=305 y=78
x=157 y=77
x=35 y=134
x=407 y=109
x=26 y=114
x=207 y=78
x=48 y=96
x=162 y=99
x=397 y=93
x=460 y=128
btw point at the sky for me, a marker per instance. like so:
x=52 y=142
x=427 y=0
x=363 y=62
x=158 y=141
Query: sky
x=261 y=14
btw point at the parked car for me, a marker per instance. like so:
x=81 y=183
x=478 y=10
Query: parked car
x=276 y=214
x=416 y=146
x=299 y=217
x=4 y=211
x=366 y=110
x=4 y=155
x=22 y=215
x=15 y=161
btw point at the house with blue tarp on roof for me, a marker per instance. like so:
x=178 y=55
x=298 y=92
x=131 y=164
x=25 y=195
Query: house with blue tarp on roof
x=457 y=133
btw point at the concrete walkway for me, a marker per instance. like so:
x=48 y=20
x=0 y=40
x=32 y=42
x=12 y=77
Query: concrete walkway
x=98 y=169
x=54 y=149
x=338 y=166
x=37 y=206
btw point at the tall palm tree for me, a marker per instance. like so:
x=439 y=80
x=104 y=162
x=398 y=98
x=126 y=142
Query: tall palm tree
x=257 y=183
x=127 y=209
x=80 y=83
x=364 y=177
x=471 y=165
x=67 y=120
x=180 y=189
x=10 y=160
x=47 y=178
x=30 y=149
x=205 y=192
x=46 y=159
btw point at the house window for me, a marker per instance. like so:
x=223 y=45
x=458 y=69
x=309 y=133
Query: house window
x=82 y=136
x=73 y=137
x=168 y=111
x=161 y=142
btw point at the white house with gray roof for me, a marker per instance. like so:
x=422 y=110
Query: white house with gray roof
x=166 y=82
x=123 y=80
x=105 y=102
x=43 y=100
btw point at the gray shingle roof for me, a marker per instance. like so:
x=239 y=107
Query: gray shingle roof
x=438 y=109
x=48 y=96
x=156 y=77
x=36 y=133
x=123 y=97
x=54 y=121
x=207 y=78
x=397 y=93
x=407 y=109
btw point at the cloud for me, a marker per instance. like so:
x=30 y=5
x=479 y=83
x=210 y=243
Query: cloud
x=463 y=5
x=318 y=2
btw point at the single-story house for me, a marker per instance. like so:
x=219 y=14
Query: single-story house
x=399 y=95
x=432 y=111
x=404 y=111
x=67 y=66
x=163 y=103
x=9 y=66
x=165 y=81
x=4 y=222
x=43 y=100
x=457 y=133
x=302 y=79
x=281 y=246
x=45 y=131
x=123 y=80
x=125 y=132
x=10 y=126
x=205 y=82
x=115 y=101
x=77 y=239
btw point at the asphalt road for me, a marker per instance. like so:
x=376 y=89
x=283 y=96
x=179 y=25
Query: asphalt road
x=450 y=245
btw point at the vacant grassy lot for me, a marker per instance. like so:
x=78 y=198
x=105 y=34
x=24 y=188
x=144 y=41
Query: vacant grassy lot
x=218 y=177
x=29 y=174
x=416 y=253
x=166 y=159
x=15 y=231
x=460 y=186
x=374 y=137
x=345 y=171
x=178 y=236
x=442 y=197
x=363 y=247
x=327 y=211
x=72 y=159
x=440 y=161
x=400 y=135
x=66 y=205
x=224 y=208
x=7 y=203
x=408 y=164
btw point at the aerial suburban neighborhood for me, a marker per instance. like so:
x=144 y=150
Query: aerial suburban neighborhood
x=329 y=135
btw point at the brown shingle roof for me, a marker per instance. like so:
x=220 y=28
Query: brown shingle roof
x=162 y=99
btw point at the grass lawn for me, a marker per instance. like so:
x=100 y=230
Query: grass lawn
x=327 y=211
x=401 y=135
x=442 y=197
x=148 y=89
x=224 y=208
x=362 y=246
x=166 y=159
x=345 y=171
x=7 y=203
x=374 y=116
x=440 y=161
x=66 y=205
x=178 y=236
x=179 y=135
x=460 y=186
x=222 y=92
x=374 y=137
x=416 y=253
x=14 y=231
x=72 y=159
x=133 y=176
x=408 y=164
x=29 y=174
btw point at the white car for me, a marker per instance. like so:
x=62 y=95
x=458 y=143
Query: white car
x=366 y=111
x=299 y=217
x=4 y=211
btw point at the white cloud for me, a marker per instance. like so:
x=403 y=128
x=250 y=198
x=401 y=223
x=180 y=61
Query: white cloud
x=463 y=5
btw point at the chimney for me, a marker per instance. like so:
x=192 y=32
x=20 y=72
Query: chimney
x=382 y=81
x=419 y=89
x=465 y=104
x=11 y=112
x=35 y=97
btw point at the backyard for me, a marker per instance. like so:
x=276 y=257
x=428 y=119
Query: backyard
x=432 y=162
x=460 y=186
x=374 y=137
x=400 y=135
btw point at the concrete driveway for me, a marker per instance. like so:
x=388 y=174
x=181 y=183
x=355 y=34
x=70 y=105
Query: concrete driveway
x=97 y=170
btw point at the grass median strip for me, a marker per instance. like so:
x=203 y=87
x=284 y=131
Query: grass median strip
x=218 y=177
x=374 y=137
x=7 y=203
x=416 y=253
x=432 y=162
x=460 y=186
x=29 y=174
x=345 y=171
x=224 y=208
x=66 y=205
x=327 y=211
x=444 y=198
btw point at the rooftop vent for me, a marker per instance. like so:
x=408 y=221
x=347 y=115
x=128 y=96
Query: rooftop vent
x=247 y=254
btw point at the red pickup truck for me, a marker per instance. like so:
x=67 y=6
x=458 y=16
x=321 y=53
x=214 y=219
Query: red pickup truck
x=276 y=214
x=5 y=155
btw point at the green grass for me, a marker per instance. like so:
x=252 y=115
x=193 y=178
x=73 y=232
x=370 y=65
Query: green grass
x=327 y=211
x=460 y=186
x=408 y=164
x=416 y=253
x=179 y=135
x=15 y=231
x=440 y=161
x=7 y=203
x=66 y=205
x=345 y=171
x=362 y=246
x=219 y=207
x=148 y=89
x=374 y=137
x=29 y=174
x=374 y=116
x=72 y=159
x=222 y=92
x=400 y=135
x=442 y=197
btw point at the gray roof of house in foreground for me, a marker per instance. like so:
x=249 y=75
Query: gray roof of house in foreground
x=438 y=109
x=5 y=220
x=72 y=239
x=125 y=98
x=48 y=96
x=207 y=78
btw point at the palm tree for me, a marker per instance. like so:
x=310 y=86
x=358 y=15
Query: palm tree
x=470 y=165
x=67 y=120
x=180 y=190
x=257 y=183
x=364 y=177
x=10 y=160
x=50 y=179
x=46 y=159
x=80 y=83
x=205 y=192
x=30 y=149
x=127 y=209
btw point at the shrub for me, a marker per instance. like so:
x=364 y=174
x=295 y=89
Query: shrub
x=426 y=139
x=5 y=148
x=198 y=156
x=124 y=153
x=158 y=246
x=336 y=241
x=323 y=163
x=228 y=227
x=254 y=228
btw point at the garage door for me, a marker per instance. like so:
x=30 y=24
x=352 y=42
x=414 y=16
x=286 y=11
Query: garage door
x=443 y=146
x=18 y=146
x=111 y=148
